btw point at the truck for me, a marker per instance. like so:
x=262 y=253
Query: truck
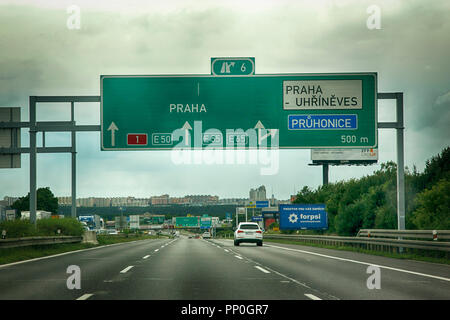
x=93 y=222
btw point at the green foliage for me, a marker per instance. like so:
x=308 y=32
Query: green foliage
x=433 y=207
x=437 y=168
x=18 y=228
x=44 y=227
x=68 y=227
x=371 y=201
x=45 y=200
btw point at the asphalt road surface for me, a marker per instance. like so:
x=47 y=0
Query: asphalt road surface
x=183 y=268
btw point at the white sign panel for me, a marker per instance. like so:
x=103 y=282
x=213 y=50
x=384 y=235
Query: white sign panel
x=344 y=154
x=322 y=94
x=134 y=221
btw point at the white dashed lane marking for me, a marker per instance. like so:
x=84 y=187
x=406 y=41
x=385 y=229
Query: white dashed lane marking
x=126 y=269
x=262 y=269
x=312 y=297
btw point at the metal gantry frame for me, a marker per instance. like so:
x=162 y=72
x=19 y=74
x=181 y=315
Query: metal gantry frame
x=70 y=126
x=399 y=126
x=50 y=126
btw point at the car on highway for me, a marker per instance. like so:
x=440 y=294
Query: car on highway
x=111 y=232
x=248 y=232
x=206 y=235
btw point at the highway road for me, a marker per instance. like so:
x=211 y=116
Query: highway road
x=184 y=268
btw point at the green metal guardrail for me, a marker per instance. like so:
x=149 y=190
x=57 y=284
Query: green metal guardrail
x=33 y=241
x=378 y=244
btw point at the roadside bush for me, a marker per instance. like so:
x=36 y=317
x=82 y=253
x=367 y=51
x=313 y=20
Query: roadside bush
x=68 y=227
x=18 y=228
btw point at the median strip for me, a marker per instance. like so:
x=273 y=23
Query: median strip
x=126 y=269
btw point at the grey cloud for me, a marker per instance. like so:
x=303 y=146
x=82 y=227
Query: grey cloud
x=40 y=56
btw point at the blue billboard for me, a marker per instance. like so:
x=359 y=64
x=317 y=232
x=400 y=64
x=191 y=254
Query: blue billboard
x=303 y=216
x=262 y=204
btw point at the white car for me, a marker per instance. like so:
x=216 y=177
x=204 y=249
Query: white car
x=248 y=232
x=206 y=235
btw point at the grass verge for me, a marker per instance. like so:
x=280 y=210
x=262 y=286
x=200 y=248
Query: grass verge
x=9 y=255
x=438 y=258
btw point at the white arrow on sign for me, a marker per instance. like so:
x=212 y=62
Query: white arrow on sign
x=113 y=129
x=259 y=126
x=186 y=128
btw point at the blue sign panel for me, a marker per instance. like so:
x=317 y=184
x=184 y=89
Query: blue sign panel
x=262 y=204
x=303 y=216
x=228 y=216
x=257 y=218
x=323 y=122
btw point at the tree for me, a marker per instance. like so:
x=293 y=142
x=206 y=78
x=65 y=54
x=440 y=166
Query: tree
x=433 y=207
x=45 y=201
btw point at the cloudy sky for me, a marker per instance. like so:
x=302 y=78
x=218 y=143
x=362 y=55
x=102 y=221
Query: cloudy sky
x=40 y=55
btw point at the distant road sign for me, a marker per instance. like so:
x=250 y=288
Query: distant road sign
x=232 y=66
x=262 y=204
x=187 y=222
x=257 y=218
x=258 y=111
x=344 y=156
x=251 y=204
x=10 y=138
x=303 y=216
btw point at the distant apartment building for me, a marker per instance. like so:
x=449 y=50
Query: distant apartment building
x=181 y=200
x=8 y=201
x=64 y=201
x=232 y=201
x=160 y=200
x=202 y=199
x=258 y=194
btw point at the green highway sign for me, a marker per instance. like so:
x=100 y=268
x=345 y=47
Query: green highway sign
x=186 y=222
x=256 y=111
x=233 y=66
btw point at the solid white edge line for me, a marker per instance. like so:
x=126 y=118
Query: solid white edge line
x=312 y=297
x=85 y=296
x=360 y=262
x=262 y=269
x=126 y=269
x=69 y=252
